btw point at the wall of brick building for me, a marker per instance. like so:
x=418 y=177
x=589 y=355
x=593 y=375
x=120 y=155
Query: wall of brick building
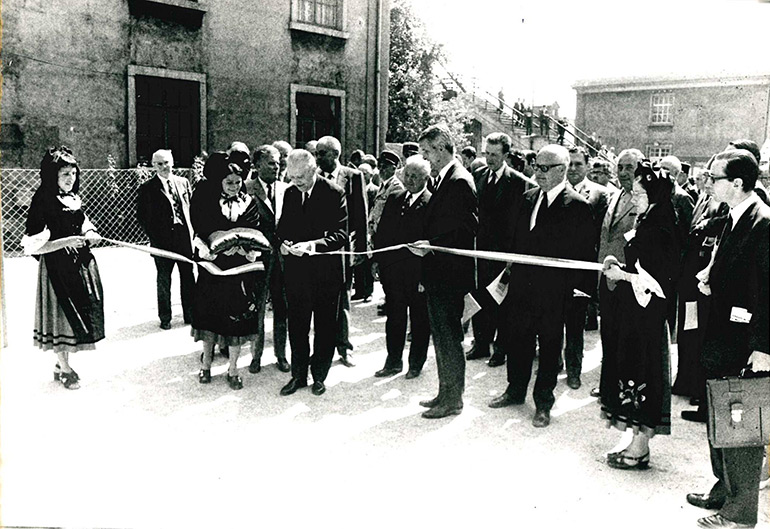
x=704 y=119
x=65 y=72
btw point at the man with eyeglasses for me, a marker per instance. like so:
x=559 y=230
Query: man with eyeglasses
x=553 y=221
x=737 y=330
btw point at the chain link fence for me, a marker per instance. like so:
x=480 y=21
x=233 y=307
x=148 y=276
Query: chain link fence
x=109 y=199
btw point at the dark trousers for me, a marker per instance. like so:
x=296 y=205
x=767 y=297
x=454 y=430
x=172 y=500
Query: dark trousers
x=445 y=311
x=364 y=279
x=180 y=245
x=521 y=354
x=399 y=299
x=738 y=472
x=319 y=301
x=342 y=336
x=277 y=290
x=575 y=323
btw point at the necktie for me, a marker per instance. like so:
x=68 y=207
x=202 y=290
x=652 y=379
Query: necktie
x=304 y=200
x=175 y=201
x=270 y=195
x=727 y=230
x=407 y=202
x=541 y=212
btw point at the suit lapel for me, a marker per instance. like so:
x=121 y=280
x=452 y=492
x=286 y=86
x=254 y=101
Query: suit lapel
x=626 y=209
x=736 y=235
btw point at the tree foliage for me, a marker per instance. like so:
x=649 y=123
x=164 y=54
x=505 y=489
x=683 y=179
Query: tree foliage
x=413 y=101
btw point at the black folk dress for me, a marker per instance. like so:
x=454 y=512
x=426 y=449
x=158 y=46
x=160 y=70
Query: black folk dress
x=636 y=368
x=69 y=310
x=225 y=307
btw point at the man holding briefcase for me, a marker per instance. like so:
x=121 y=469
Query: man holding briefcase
x=737 y=329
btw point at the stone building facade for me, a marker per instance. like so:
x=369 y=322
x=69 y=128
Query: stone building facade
x=691 y=118
x=126 y=77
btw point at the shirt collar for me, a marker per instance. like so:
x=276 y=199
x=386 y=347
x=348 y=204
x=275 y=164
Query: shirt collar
x=499 y=173
x=445 y=169
x=413 y=197
x=553 y=193
x=740 y=209
x=264 y=184
x=335 y=173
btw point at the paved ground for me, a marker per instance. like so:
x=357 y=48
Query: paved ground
x=142 y=444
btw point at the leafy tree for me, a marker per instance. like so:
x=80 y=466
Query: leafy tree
x=413 y=101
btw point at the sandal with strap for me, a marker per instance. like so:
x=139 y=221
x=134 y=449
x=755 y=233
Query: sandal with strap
x=204 y=376
x=70 y=380
x=622 y=461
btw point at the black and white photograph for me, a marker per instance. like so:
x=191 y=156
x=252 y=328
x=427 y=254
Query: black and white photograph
x=385 y=263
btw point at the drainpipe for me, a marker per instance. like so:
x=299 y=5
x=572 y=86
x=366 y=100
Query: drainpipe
x=377 y=76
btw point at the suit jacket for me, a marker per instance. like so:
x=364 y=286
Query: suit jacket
x=564 y=231
x=683 y=206
x=618 y=220
x=266 y=211
x=352 y=182
x=451 y=220
x=323 y=219
x=498 y=206
x=155 y=211
x=385 y=190
x=739 y=278
x=599 y=198
x=400 y=224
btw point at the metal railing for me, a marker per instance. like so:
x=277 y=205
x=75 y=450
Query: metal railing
x=528 y=122
x=109 y=199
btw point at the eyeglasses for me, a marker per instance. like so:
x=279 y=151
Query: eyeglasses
x=546 y=167
x=711 y=178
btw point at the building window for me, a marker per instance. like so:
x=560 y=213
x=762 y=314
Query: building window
x=657 y=151
x=325 y=17
x=320 y=12
x=166 y=111
x=660 y=109
x=316 y=112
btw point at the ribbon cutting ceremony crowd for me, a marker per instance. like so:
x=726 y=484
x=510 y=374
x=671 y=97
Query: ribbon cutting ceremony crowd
x=560 y=241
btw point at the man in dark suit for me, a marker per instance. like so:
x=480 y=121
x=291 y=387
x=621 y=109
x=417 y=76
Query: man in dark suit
x=737 y=329
x=351 y=181
x=577 y=306
x=313 y=222
x=401 y=271
x=500 y=192
x=163 y=211
x=554 y=221
x=265 y=187
x=451 y=220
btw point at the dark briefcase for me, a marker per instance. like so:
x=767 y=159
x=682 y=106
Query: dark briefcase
x=739 y=411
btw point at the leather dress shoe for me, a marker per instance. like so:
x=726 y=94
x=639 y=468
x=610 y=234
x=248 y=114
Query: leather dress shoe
x=318 y=388
x=595 y=393
x=504 y=400
x=255 y=366
x=573 y=381
x=541 y=419
x=282 y=364
x=346 y=359
x=441 y=411
x=413 y=373
x=165 y=325
x=387 y=372
x=695 y=415
x=477 y=352
x=718 y=521
x=293 y=385
x=496 y=360
x=432 y=403
x=704 y=501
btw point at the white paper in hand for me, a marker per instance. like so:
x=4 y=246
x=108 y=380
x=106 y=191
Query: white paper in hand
x=498 y=288
x=690 y=315
x=471 y=307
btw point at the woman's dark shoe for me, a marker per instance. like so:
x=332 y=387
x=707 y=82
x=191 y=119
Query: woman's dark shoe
x=621 y=461
x=70 y=380
x=204 y=376
x=234 y=381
